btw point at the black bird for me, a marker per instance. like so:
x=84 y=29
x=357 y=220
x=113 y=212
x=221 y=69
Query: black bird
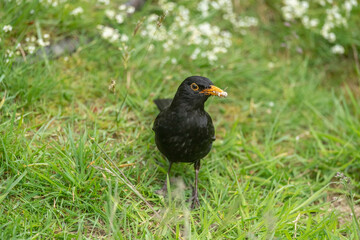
x=184 y=131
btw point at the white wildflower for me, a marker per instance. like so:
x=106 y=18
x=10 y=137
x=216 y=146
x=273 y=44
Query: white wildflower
x=226 y=34
x=41 y=42
x=77 y=11
x=309 y=23
x=348 y=6
x=130 y=10
x=124 y=38
x=247 y=22
x=331 y=37
x=105 y=2
x=7 y=28
x=338 y=49
x=334 y=16
x=9 y=53
x=205 y=28
x=144 y=33
x=110 y=13
x=322 y=2
x=173 y=61
x=168 y=6
x=46 y=35
x=219 y=50
x=314 y=22
x=203 y=7
x=183 y=11
x=181 y=21
x=215 y=5
x=195 y=54
x=31 y=49
x=109 y=33
x=294 y=9
x=168 y=45
x=152 y=18
x=122 y=7
x=119 y=18
x=211 y=56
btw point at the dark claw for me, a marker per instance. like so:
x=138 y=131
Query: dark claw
x=195 y=202
x=194 y=199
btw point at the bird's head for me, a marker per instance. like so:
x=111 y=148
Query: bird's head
x=195 y=90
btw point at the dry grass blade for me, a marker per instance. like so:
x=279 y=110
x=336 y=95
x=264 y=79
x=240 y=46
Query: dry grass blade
x=3 y=100
x=126 y=165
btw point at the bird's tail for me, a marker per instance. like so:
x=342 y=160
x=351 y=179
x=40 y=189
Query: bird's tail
x=162 y=103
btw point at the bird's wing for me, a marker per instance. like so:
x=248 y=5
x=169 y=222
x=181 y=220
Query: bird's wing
x=210 y=127
x=162 y=103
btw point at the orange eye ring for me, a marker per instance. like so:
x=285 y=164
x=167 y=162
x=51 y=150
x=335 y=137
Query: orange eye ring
x=194 y=86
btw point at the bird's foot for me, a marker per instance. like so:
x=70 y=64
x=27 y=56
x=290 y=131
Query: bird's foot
x=194 y=199
x=195 y=202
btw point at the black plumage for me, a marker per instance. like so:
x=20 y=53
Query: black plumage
x=184 y=131
x=162 y=103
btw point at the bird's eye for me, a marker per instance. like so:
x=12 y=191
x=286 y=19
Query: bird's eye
x=194 y=86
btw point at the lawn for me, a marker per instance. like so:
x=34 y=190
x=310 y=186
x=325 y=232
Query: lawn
x=78 y=158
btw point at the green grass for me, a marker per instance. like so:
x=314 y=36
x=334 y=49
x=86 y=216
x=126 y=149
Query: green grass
x=270 y=175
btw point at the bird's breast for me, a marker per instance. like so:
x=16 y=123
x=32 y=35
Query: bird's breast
x=184 y=136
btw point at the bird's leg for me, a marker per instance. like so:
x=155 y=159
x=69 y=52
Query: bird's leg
x=163 y=190
x=195 y=199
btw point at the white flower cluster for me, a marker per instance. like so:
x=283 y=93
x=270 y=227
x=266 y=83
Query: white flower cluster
x=111 y=34
x=9 y=54
x=226 y=6
x=121 y=14
x=203 y=36
x=105 y=2
x=208 y=39
x=52 y=3
x=7 y=28
x=336 y=16
x=333 y=19
x=338 y=49
x=205 y=40
x=77 y=11
x=294 y=9
x=42 y=42
x=28 y=47
x=150 y=30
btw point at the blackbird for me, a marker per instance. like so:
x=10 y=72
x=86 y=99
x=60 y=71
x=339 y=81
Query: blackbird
x=184 y=131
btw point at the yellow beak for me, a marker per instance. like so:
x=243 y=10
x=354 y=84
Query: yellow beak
x=213 y=90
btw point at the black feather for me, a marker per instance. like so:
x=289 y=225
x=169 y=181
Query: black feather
x=162 y=103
